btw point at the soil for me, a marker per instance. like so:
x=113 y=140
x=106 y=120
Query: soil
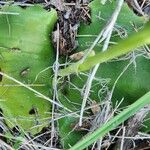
x=69 y=21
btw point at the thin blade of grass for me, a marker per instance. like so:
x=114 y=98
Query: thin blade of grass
x=113 y=123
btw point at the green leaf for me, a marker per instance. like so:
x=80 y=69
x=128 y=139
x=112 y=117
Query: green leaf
x=25 y=51
x=67 y=129
x=126 y=23
x=71 y=96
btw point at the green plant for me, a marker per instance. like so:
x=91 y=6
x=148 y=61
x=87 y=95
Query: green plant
x=26 y=54
x=113 y=123
x=124 y=47
x=130 y=87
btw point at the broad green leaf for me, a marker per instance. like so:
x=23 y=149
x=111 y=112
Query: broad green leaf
x=126 y=23
x=130 y=86
x=25 y=51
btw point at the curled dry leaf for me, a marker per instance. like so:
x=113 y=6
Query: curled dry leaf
x=76 y=56
x=85 y=126
x=79 y=55
x=95 y=107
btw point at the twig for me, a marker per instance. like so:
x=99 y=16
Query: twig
x=3 y=145
x=122 y=139
x=55 y=93
x=105 y=34
x=132 y=128
x=8 y=13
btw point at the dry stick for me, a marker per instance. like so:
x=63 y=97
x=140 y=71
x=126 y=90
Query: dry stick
x=34 y=91
x=105 y=34
x=138 y=137
x=122 y=140
x=4 y=145
x=138 y=7
x=55 y=97
x=16 y=85
x=135 y=5
x=8 y=13
x=89 y=84
x=132 y=128
x=141 y=135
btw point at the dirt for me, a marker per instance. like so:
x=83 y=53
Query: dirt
x=69 y=21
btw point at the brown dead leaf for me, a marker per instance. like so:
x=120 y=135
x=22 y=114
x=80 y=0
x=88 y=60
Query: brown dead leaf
x=95 y=107
x=76 y=56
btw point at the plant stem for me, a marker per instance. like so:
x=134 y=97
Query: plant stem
x=123 y=47
x=124 y=115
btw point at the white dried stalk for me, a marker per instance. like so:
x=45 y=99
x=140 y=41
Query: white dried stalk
x=105 y=34
x=55 y=91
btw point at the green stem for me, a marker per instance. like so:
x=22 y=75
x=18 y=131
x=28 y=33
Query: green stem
x=123 y=47
x=110 y=125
